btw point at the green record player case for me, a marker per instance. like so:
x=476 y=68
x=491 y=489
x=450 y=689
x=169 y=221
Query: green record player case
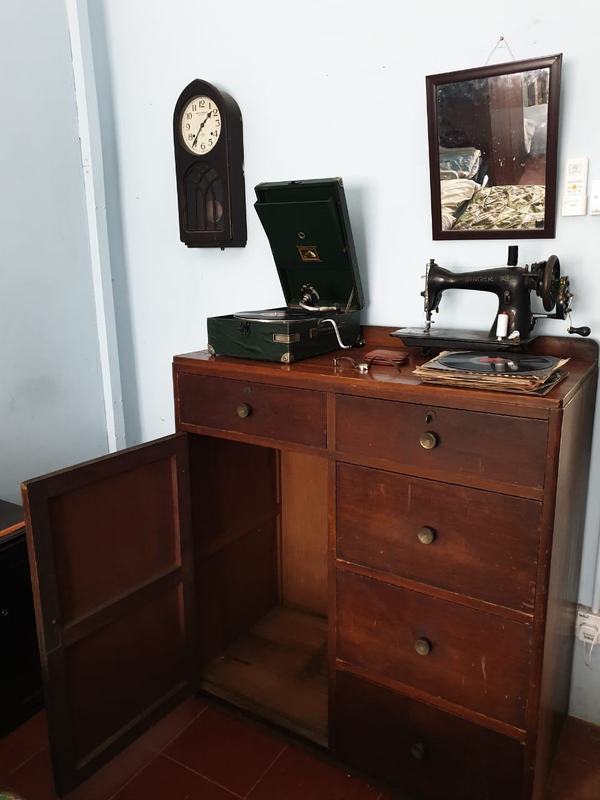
x=309 y=231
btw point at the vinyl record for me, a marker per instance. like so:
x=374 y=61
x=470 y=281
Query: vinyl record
x=272 y=315
x=498 y=363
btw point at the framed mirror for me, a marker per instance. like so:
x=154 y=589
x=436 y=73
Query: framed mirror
x=493 y=134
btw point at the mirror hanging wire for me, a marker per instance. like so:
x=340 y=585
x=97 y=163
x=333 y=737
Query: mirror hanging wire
x=500 y=43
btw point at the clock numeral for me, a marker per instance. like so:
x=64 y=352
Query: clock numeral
x=190 y=136
x=218 y=122
x=210 y=142
x=187 y=126
x=194 y=107
x=202 y=146
x=202 y=103
x=188 y=116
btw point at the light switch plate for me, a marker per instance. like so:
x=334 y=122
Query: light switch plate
x=574 y=200
x=595 y=198
x=587 y=625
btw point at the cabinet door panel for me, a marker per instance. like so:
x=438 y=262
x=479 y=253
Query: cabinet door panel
x=112 y=571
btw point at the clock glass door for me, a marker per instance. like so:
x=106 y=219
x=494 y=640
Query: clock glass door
x=112 y=571
x=204 y=199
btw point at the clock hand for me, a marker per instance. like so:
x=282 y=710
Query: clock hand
x=200 y=128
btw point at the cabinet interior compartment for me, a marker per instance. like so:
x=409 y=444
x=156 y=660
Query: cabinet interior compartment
x=260 y=524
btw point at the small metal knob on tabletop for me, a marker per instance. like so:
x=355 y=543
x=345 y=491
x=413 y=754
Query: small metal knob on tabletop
x=423 y=647
x=426 y=535
x=244 y=410
x=417 y=751
x=428 y=440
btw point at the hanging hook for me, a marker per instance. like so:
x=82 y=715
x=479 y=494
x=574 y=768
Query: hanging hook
x=500 y=43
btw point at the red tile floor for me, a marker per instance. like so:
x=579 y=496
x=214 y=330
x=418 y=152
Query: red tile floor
x=206 y=752
x=199 y=752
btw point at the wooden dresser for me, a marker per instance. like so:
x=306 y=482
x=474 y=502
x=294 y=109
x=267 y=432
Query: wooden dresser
x=387 y=568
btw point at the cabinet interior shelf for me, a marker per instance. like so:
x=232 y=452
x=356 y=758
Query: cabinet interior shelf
x=277 y=670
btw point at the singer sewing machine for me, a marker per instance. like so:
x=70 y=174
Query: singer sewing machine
x=514 y=321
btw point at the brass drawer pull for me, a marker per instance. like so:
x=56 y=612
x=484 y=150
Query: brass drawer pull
x=428 y=440
x=417 y=751
x=423 y=647
x=244 y=410
x=426 y=535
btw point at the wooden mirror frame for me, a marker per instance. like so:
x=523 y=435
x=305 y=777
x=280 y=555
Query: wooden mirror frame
x=554 y=64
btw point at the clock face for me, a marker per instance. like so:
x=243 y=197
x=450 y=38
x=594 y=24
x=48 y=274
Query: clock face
x=200 y=125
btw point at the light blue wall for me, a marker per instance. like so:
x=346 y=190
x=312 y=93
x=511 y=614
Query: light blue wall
x=585 y=686
x=51 y=401
x=326 y=87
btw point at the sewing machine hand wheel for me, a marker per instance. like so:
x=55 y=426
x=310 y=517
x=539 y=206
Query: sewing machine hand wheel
x=550 y=283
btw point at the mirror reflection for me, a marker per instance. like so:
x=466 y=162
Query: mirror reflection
x=492 y=138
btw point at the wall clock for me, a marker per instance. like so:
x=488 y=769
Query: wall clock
x=209 y=166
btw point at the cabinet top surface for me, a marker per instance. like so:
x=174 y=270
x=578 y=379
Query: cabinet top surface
x=394 y=383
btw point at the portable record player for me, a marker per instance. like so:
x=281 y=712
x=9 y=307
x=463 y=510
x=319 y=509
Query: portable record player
x=308 y=228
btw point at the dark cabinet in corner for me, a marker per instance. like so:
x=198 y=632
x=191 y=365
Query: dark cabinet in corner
x=20 y=676
x=294 y=550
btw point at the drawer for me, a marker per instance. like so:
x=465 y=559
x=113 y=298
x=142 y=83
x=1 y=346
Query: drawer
x=476 y=660
x=291 y=415
x=469 y=541
x=430 y=754
x=463 y=444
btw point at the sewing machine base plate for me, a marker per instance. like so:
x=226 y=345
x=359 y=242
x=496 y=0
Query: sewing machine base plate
x=450 y=339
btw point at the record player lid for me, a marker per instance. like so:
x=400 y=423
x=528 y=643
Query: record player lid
x=309 y=231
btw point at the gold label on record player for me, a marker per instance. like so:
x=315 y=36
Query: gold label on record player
x=286 y=338
x=308 y=252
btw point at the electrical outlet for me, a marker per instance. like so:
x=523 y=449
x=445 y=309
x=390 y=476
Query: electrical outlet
x=587 y=625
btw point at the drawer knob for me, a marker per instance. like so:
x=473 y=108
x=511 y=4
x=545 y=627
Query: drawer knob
x=423 y=647
x=426 y=535
x=428 y=440
x=417 y=751
x=244 y=410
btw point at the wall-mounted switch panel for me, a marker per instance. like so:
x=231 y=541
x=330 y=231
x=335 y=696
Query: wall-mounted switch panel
x=595 y=198
x=587 y=626
x=574 y=201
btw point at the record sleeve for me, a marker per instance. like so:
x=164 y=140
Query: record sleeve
x=522 y=373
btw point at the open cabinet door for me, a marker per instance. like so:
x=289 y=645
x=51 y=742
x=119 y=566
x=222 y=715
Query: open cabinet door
x=112 y=573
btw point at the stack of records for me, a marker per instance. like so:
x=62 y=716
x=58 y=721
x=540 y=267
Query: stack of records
x=501 y=372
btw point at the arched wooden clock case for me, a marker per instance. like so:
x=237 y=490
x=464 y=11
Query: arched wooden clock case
x=210 y=185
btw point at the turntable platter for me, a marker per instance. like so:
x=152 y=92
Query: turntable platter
x=272 y=315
